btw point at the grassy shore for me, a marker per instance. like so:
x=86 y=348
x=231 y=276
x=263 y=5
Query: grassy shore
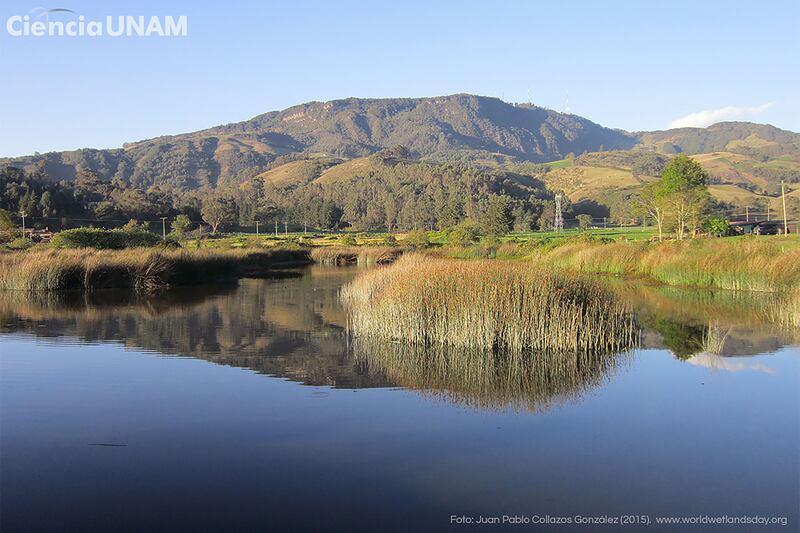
x=755 y=264
x=141 y=269
x=738 y=263
x=490 y=305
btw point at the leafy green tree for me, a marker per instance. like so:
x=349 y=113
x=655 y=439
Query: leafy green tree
x=180 y=226
x=218 y=210
x=134 y=226
x=683 y=188
x=463 y=234
x=105 y=210
x=717 y=225
x=584 y=221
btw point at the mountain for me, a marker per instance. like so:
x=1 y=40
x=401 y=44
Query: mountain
x=739 y=137
x=342 y=143
x=349 y=128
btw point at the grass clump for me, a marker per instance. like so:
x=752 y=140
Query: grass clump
x=489 y=305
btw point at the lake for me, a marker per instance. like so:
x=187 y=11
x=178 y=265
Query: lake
x=246 y=407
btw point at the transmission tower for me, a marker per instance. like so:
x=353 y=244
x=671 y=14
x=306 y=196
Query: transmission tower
x=558 y=223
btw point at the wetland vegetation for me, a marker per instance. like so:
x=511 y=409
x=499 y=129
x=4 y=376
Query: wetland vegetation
x=487 y=305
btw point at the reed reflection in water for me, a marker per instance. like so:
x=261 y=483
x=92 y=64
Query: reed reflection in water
x=487 y=379
x=293 y=327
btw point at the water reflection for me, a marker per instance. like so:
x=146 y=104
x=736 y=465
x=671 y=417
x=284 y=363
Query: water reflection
x=294 y=327
x=485 y=379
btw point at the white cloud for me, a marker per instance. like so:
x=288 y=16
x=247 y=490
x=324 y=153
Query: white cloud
x=701 y=119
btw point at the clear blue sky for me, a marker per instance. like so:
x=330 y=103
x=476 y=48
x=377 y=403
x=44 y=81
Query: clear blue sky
x=632 y=65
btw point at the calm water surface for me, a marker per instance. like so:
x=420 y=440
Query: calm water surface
x=245 y=408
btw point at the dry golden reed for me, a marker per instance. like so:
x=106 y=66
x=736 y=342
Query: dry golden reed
x=491 y=305
x=754 y=264
x=142 y=269
x=345 y=255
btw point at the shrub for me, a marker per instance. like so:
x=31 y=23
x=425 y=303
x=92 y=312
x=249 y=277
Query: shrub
x=417 y=239
x=716 y=225
x=347 y=240
x=20 y=243
x=181 y=226
x=103 y=239
x=584 y=221
x=464 y=234
x=390 y=240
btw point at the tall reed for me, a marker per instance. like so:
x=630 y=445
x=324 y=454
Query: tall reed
x=489 y=305
x=347 y=255
x=142 y=269
x=755 y=264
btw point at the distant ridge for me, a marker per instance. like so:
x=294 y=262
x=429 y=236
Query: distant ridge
x=443 y=127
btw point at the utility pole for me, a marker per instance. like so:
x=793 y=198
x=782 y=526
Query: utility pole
x=747 y=213
x=783 y=198
x=256 y=229
x=768 y=213
x=276 y=228
x=163 y=228
x=23 y=214
x=285 y=228
x=558 y=223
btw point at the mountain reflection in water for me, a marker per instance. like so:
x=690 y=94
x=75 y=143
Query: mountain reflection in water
x=295 y=328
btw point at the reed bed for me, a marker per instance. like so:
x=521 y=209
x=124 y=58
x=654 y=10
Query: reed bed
x=789 y=313
x=507 y=307
x=753 y=264
x=144 y=269
x=348 y=255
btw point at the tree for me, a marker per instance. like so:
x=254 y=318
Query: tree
x=683 y=188
x=463 y=234
x=584 y=221
x=46 y=204
x=497 y=218
x=717 y=225
x=218 y=210
x=180 y=226
x=5 y=221
x=134 y=226
x=652 y=203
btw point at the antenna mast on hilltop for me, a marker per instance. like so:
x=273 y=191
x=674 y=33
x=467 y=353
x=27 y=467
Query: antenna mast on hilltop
x=558 y=223
x=566 y=106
